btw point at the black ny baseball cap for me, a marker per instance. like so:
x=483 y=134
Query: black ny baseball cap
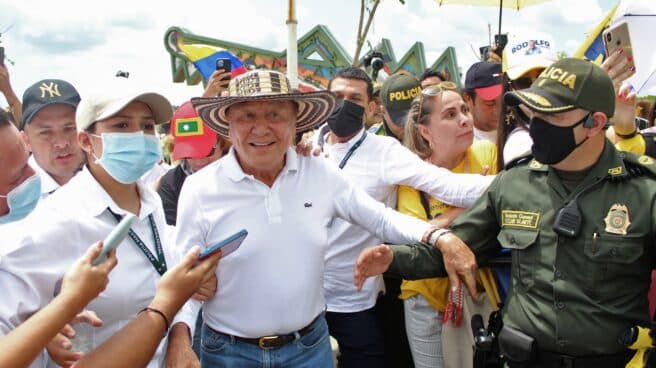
x=566 y=85
x=486 y=78
x=45 y=93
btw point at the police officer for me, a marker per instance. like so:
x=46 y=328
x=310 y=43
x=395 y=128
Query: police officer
x=580 y=220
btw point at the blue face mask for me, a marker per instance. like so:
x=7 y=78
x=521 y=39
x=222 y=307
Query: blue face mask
x=22 y=199
x=127 y=156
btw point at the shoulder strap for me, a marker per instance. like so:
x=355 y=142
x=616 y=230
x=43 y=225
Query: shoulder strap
x=425 y=202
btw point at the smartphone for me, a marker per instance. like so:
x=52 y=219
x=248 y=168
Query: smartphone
x=2 y=55
x=617 y=37
x=224 y=63
x=115 y=238
x=226 y=246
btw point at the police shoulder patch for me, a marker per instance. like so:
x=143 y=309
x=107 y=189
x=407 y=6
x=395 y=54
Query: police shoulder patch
x=639 y=164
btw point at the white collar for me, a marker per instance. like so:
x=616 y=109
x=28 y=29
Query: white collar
x=235 y=173
x=100 y=199
x=48 y=184
x=344 y=145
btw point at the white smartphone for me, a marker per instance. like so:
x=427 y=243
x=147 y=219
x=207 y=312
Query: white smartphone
x=226 y=246
x=115 y=237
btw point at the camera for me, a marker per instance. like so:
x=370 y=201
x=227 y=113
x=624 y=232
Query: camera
x=122 y=74
x=375 y=60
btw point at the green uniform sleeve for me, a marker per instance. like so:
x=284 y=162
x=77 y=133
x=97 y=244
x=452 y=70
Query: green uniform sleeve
x=477 y=227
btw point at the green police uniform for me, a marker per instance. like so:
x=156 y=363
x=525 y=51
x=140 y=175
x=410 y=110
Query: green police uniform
x=575 y=296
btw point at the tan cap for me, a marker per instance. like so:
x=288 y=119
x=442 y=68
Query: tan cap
x=100 y=107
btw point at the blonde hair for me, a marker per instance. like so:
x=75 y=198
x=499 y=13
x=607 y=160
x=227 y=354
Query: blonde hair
x=419 y=114
x=412 y=137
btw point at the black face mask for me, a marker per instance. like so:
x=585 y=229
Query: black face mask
x=551 y=143
x=346 y=119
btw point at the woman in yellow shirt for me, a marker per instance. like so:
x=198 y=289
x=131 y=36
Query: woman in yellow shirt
x=440 y=131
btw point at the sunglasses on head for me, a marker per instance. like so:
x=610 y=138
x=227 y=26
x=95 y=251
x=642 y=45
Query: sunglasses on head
x=431 y=91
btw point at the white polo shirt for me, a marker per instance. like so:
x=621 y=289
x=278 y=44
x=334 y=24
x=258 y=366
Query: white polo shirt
x=273 y=283
x=60 y=231
x=48 y=184
x=378 y=165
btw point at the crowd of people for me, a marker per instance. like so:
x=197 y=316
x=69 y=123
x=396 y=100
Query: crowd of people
x=388 y=216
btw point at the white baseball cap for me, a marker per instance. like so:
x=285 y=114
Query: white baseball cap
x=526 y=52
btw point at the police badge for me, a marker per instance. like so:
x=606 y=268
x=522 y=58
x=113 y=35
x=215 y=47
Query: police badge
x=617 y=219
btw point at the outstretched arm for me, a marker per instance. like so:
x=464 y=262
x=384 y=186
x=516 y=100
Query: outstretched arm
x=81 y=284
x=148 y=328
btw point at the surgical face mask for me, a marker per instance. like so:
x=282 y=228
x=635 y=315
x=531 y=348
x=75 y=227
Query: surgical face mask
x=128 y=156
x=551 y=143
x=346 y=119
x=22 y=199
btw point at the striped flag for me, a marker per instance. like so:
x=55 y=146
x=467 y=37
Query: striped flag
x=204 y=59
x=593 y=47
x=189 y=127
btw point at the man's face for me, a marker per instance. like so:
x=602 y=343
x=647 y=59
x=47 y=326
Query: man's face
x=486 y=113
x=375 y=116
x=261 y=132
x=13 y=160
x=51 y=135
x=353 y=90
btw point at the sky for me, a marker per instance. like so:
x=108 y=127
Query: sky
x=86 y=42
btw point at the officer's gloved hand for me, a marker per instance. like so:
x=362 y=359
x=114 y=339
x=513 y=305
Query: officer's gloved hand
x=642 y=340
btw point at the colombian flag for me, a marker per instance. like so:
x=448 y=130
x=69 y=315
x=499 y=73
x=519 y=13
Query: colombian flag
x=593 y=47
x=204 y=59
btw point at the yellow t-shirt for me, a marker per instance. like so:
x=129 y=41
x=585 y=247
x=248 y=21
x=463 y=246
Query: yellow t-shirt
x=479 y=155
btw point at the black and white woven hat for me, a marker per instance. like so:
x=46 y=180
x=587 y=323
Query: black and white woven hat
x=264 y=85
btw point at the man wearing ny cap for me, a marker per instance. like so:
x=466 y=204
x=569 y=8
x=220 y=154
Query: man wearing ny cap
x=48 y=128
x=579 y=219
x=396 y=95
x=269 y=306
x=482 y=94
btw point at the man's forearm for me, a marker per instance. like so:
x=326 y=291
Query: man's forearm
x=416 y=261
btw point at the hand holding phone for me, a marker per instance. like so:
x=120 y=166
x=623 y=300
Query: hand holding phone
x=226 y=246
x=115 y=238
x=618 y=37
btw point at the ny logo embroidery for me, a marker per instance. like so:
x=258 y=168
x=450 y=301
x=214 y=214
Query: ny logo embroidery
x=52 y=89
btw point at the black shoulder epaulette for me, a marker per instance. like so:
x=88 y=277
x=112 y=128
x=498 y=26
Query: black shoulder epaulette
x=518 y=161
x=639 y=165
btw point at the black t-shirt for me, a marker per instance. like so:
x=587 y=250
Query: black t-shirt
x=169 y=191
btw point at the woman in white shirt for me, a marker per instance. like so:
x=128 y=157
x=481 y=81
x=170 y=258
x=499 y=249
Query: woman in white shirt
x=117 y=134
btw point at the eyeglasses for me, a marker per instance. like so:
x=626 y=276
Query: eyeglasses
x=431 y=91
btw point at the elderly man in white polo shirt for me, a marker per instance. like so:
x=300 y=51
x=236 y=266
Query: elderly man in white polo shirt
x=269 y=306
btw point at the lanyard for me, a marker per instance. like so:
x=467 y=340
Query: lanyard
x=352 y=150
x=160 y=262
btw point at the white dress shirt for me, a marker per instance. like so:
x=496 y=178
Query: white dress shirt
x=61 y=229
x=48 y=184
x=378 y=166
x=273 y=283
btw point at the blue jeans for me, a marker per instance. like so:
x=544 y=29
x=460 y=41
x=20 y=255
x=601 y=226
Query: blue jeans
x=309 y=351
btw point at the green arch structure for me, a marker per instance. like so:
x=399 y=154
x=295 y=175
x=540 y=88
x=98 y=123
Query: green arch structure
x=320 y=56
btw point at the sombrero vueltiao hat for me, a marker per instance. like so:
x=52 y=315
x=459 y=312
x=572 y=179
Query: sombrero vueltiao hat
x=264 y=85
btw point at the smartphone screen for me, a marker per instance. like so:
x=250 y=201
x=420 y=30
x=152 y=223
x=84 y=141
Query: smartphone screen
x=2 y=55
x=226 y=246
